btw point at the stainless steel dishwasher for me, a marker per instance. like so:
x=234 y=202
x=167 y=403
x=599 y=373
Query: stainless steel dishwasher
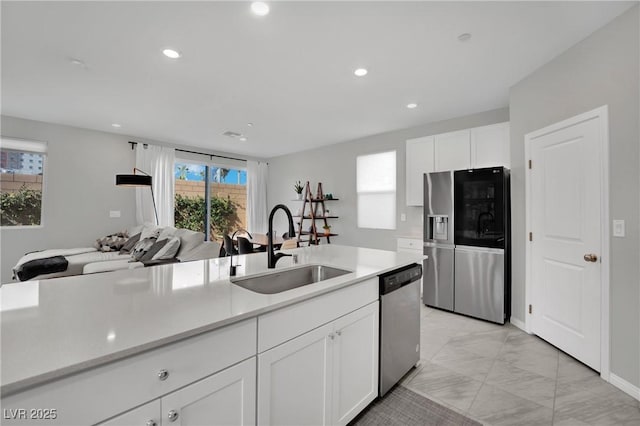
x=399 y=324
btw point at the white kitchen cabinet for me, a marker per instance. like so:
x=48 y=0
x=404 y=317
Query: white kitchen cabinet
x=452 y=151
x=490 y=146
x=145 y=415
x=323 y=377
x=355 y=363
x=225 y=398
x=419 y=160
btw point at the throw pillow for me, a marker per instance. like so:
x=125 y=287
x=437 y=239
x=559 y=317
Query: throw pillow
x=157 y=246
x=141 y=248
x=111 y=242
x=131 y=242
x=167 y=232
x=169 y=250
x=150 y=231
x=188 y=240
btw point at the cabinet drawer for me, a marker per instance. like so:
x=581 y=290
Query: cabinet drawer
x=99 y=393
x=409 y=244
x=284 y=324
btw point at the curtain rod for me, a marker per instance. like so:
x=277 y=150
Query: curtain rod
x=133 y=145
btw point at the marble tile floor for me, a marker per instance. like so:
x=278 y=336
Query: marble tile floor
x=499 y=375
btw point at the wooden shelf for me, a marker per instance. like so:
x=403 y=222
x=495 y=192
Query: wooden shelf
x=316 y=211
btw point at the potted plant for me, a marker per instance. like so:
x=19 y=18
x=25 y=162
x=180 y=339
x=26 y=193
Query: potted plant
x=298 y=188
x=327 y=230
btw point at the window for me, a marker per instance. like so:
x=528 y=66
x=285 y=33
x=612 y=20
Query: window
x=22 y=182
x=227 y=198
x=376 y=189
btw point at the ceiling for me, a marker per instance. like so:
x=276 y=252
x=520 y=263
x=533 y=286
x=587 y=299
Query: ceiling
x=289 y=73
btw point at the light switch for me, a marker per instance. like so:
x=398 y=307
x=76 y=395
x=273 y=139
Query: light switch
x=403 y=217
x=618 y=228
x=114 y=213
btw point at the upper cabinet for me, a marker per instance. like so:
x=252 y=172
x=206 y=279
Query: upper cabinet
x=453 y=151
x=420 y=160
x=486 y=146
x=490 y=146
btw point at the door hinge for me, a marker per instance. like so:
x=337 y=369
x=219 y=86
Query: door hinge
x=530 y=309
x=530 y=163
x=530 y=236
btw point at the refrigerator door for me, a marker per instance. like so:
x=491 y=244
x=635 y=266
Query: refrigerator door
x=438 y=207
x=480 y=283
x=480 y=207
x=437 y=276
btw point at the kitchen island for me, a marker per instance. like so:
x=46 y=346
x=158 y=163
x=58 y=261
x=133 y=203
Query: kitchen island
x=160 y=337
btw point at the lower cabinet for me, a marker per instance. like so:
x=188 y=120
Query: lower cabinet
x=323 y=377
x=225 y=398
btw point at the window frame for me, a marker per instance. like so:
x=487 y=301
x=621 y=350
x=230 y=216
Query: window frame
x=30 y=146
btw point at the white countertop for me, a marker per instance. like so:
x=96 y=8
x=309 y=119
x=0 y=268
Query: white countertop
x=52 y=328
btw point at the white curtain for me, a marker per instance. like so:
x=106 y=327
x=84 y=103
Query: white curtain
x=158 y=161
x=257 y=175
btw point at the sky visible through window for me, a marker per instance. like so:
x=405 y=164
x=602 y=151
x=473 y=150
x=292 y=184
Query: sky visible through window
x=195 y=173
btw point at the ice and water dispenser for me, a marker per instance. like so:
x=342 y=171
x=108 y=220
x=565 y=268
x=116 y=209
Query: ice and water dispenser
x=437 y=228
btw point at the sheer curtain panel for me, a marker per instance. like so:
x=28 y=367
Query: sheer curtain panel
x=158 y=161
x=257 y=174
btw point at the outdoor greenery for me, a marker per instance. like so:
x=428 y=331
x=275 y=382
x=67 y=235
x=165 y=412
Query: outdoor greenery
x=190 y=214
x=20 y=208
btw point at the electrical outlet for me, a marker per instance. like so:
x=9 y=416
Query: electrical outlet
x=618 y=228
x=114 y=213
x=403 y=217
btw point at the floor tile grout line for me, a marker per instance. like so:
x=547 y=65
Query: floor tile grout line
x=555 y=392
x=495 y=358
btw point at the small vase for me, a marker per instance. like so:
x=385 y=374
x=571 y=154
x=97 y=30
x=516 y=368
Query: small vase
x=298 y=196
x=327 y=232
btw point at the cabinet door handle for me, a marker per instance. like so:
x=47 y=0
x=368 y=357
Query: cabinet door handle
x=173 y=415
x=331 y=336
x=163 y=374
x=152 y=423
x=339 y=333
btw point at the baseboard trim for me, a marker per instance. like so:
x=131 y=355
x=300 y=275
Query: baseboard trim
x=625 y=386
x=518 y=323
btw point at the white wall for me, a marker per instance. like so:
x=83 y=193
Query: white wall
x=79 y=189
x=601 y=70
x=334 y=166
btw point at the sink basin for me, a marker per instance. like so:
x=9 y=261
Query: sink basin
x=278 y=282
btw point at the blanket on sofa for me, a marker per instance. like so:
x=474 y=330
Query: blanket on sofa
x=48 y=265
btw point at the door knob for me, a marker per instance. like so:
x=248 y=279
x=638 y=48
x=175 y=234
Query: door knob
x=173 y=415
x=590 y=257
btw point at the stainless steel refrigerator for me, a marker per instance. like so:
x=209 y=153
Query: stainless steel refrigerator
x=473 y=276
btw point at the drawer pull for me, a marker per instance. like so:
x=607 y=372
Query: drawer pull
x=173 y=415
x=152 y=423
x=163 y=374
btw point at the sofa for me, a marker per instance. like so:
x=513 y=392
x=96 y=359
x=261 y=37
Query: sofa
x=140 y=246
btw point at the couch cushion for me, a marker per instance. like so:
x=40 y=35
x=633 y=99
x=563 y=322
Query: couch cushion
x=112 y=242
x=206 y=250
x=150 y=231
x=167 y=232
x=156 y=247
x=110 y=265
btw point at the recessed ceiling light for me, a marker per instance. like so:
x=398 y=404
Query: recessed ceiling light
x=243 y=138
x=464 y=37
x=170 y=53
x=78 y=63
x=361 y=72
x=260 y=8
x=412 y=105
x=250 y=124
x=116 y=125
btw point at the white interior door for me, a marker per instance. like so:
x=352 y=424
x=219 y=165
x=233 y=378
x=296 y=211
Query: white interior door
x=565 y=219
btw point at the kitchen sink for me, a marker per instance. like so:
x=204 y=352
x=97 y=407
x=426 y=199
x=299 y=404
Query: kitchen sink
x=278 y=282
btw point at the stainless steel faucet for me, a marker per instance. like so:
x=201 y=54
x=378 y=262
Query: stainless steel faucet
x=272 y=258
x=232 y=267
